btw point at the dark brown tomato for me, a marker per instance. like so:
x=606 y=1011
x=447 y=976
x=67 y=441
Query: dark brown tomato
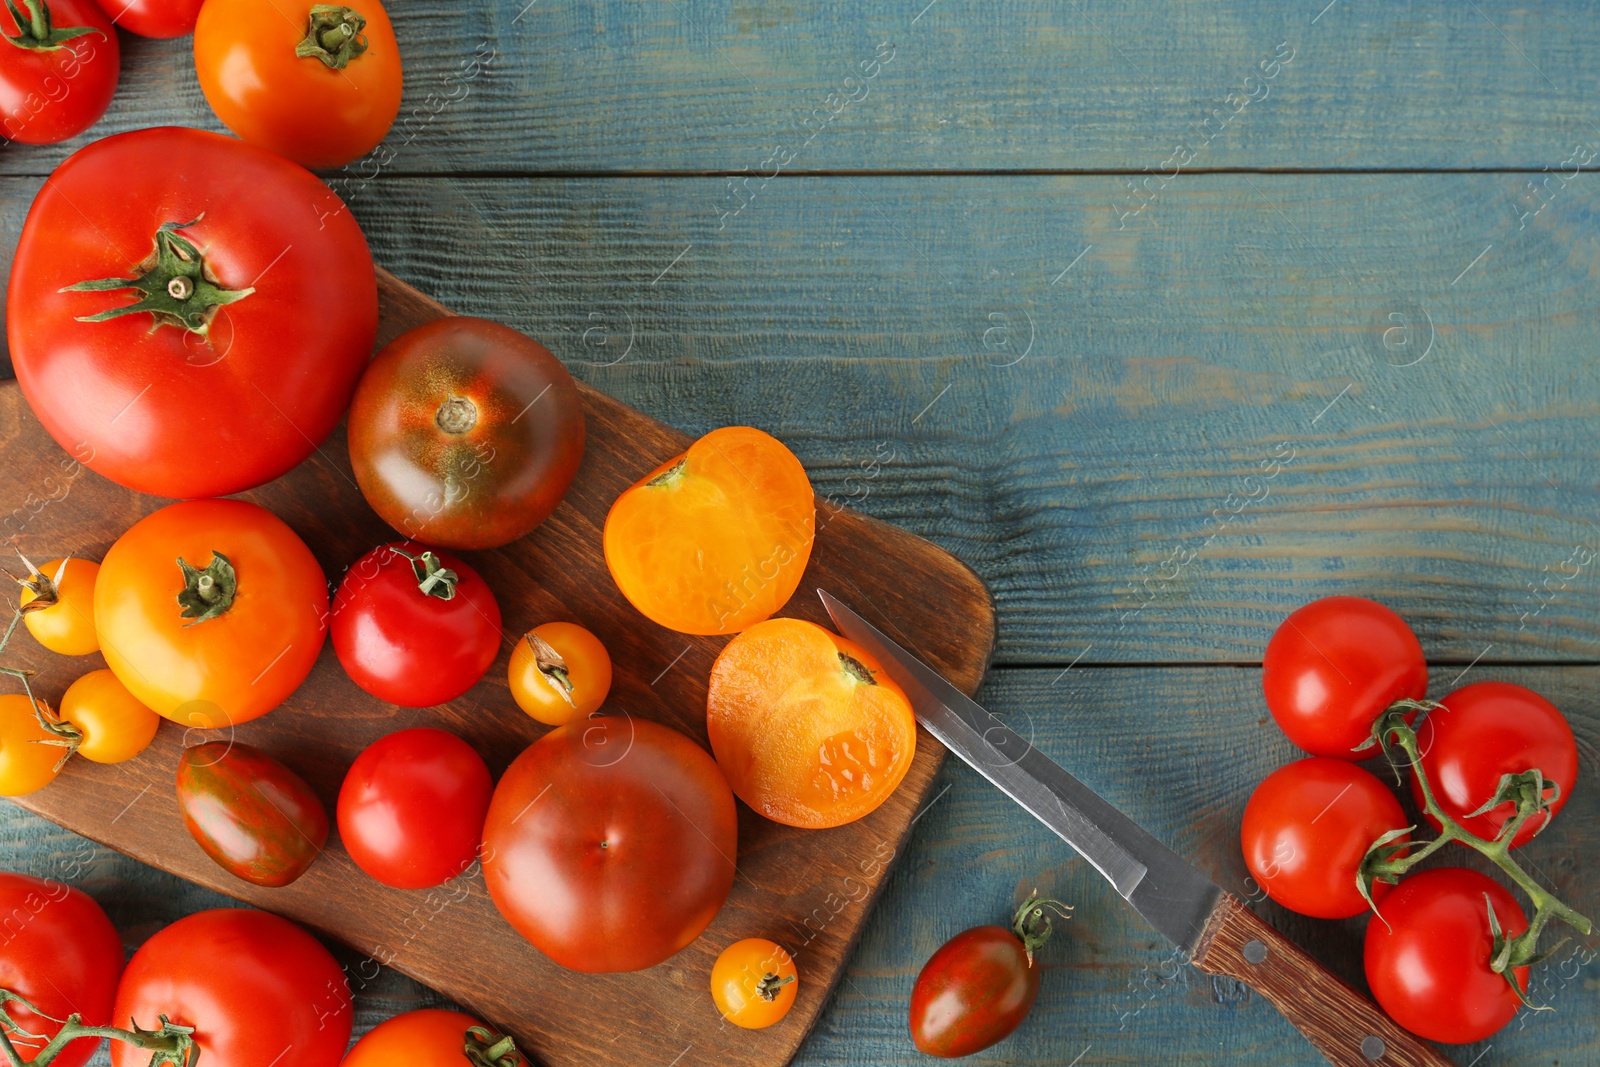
x=251 y=814
x=465 y=433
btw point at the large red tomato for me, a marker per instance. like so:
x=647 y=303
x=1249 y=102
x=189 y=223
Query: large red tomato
x=1333 y=667
x=1484 y=731
x=254 y=986
x=61 y=953
x=188 y=315
x=154 y=18
x=59 y=72
x=610 y=843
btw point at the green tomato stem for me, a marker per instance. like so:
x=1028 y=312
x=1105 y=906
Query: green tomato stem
x=36 y=32
x=171 y=1044
x=485 y=1048
x=333 y=35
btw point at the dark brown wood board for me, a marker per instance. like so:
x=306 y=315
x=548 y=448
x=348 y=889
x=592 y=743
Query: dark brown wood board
x=809 y=890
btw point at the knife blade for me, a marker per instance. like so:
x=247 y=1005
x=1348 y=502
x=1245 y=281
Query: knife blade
x=1214 y=930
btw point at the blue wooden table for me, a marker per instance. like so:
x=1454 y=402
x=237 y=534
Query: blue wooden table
x=1045 y=282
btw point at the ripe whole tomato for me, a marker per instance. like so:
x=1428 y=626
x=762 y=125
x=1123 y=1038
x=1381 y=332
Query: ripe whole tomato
x=188 y=315
x=253 y=985
x=255 y=818
x=559 y=672
x=59 y=72
x=225 y=635
x=412 y=806
x=115 y=726
x=1483 y=731
x=1427 y=958
x=430 y=1037
x=62 y=954
x=1333 y=667
x=414 y=626
x=57 y=603
x=610 y=843
x=315 y=83
x=465 y=433
x=753 y=983
x=154 y=18
x=27 y=763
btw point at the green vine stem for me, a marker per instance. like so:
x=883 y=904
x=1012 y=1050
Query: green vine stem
x=1395 y=854
x=485 y=1048
x=1033 y=923
x=170 y=1045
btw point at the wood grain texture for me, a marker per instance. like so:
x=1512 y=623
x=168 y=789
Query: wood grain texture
x=1088 y=85
x=809 y=888
x=1346 y=1027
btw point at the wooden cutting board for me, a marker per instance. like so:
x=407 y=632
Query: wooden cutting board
x=809 y=890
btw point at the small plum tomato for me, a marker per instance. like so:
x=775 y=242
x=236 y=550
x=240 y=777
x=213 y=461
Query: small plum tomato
x=753 y=983
x=806 y=726
x=30 y=757
x=559 y=672
x=715 y=539
x=112 y=724
x=57 y=603
x=255 y=817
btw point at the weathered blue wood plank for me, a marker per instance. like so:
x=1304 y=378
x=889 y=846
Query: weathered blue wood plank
x=583 y=85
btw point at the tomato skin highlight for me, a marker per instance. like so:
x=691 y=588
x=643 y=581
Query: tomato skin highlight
x=33 y=107
x=251 y=814
x=409 y=647
x=67 y=626
x=973 y=992
x=154 y=18
x=116 y=727
x=1333 y=666
x=610 y=843
x=279 y=989
x=298 y=107
x=737 y=978
x=412 y=807
x=166 y=411
x=1306 y=829
x=1483 y=731
x=1427 y=959
x=427 y=1037
x=61 y=953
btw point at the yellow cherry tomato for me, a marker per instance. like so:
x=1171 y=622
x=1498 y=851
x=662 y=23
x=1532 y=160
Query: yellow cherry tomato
x=67 y=625
x=559 y=672
x=24 y=766
x=753 y=983
x=115 y=725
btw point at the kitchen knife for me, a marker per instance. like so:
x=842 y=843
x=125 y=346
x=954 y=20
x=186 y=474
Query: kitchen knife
x=1218 y=934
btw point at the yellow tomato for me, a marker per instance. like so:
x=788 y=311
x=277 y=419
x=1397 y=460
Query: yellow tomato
x=559 y=672
x=67 y=625
x=24 y=765
x=114 y=724
x=753 y=983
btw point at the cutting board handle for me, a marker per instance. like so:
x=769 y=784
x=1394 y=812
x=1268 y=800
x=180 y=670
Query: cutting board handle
x=1346 y=1027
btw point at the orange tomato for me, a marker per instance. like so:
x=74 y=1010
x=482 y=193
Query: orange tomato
x=432 y=1037
x=25 y=763
x=715 y=539
x=211 y=612
x=753 y=983
x=318 y=84
x=114 y=725
x=566 y=679
x=65 y=622
x=807 y=729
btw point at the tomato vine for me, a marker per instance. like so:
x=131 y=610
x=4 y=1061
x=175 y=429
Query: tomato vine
x=170 y=1045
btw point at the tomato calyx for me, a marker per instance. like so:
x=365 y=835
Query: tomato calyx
x=433 y=577
x=46 y=590
x=552 y=666
x=209 y=593
x=1034 y=922
x=857 y=670
x=38 y=34
x=769 y=985
x=333 y=35
x=485 y=1048
x=171 y=1045
x=178 y=286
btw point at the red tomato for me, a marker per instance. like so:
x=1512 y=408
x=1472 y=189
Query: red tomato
x=412 y=806
x=254 y=987
x=1427 y=958
x=610 y=843
x=59 y=72
x=1307 y=827
x=1483 y=731
x=61 y=953
x=154 y=18
x=432 y=1037
x=255 y=818
x=260 y=312
x=1333 y=667
x=414 y=626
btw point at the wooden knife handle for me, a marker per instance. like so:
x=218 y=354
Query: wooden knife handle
x=1346 y=1027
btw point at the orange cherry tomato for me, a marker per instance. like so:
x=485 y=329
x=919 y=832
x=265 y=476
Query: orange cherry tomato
x=715 y=539
x=805 y=725
x=559 y=672
x=211 y=612
x=316 y=83
x=753 y=983
x=64 y=621
x=25 y=765
x=432 y=1037
x=115 y=726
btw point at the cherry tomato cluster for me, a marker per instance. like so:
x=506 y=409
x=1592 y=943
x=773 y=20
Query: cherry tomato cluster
x=1344 y=678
